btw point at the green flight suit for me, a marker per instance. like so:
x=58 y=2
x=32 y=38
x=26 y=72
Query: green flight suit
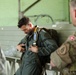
x=31 y=62
x=65 y=56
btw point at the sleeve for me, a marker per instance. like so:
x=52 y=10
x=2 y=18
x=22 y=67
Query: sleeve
x=57 y=61
x=61 y=57
x=23 y=41
x=65 y=54
x=49 y=45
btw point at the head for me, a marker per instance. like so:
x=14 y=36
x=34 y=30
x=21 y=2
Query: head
x=25 y=25
x=73 y=11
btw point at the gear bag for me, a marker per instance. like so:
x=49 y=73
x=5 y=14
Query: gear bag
x=53 y=34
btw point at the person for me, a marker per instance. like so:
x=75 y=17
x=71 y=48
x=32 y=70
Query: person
x=64 y=58
x=33 y=50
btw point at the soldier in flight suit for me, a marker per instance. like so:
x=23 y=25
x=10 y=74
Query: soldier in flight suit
x=31 y=60
x=64 y=58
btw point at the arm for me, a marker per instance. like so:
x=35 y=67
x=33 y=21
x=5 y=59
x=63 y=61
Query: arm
x=65 y=54
x=21 y=46
x=62 y=56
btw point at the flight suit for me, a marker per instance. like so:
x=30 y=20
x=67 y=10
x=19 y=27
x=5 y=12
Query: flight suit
x=65 y=56
x=31 y=63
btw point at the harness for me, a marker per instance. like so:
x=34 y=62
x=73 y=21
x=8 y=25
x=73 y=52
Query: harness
x=35 y=36
x=36 y=32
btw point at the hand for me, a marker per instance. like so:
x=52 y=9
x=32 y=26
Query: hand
x=33 y=49
x=20 y=48
x=52 y=64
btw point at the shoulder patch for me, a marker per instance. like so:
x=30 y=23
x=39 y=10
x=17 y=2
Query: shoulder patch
x=72 y=37
x=63 y=49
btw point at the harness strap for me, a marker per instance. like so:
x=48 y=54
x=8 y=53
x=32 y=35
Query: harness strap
x=35 y=36
x=36 y=32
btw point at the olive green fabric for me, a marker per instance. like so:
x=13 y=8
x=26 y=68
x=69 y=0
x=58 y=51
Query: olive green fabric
x=61 y=56
x=65 y=56
x=66 y=71
x=57 y=60
x=72 y=51
x=30 y=61
x=69 y=70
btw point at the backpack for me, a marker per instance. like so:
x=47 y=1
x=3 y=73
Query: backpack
x=53 y=34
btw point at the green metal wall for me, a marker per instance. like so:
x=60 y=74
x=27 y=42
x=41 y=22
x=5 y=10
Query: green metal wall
x=8 y=12
x=58 y=9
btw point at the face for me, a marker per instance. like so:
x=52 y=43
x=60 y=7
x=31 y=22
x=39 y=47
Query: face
x=26 y=28
x=73 y=15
